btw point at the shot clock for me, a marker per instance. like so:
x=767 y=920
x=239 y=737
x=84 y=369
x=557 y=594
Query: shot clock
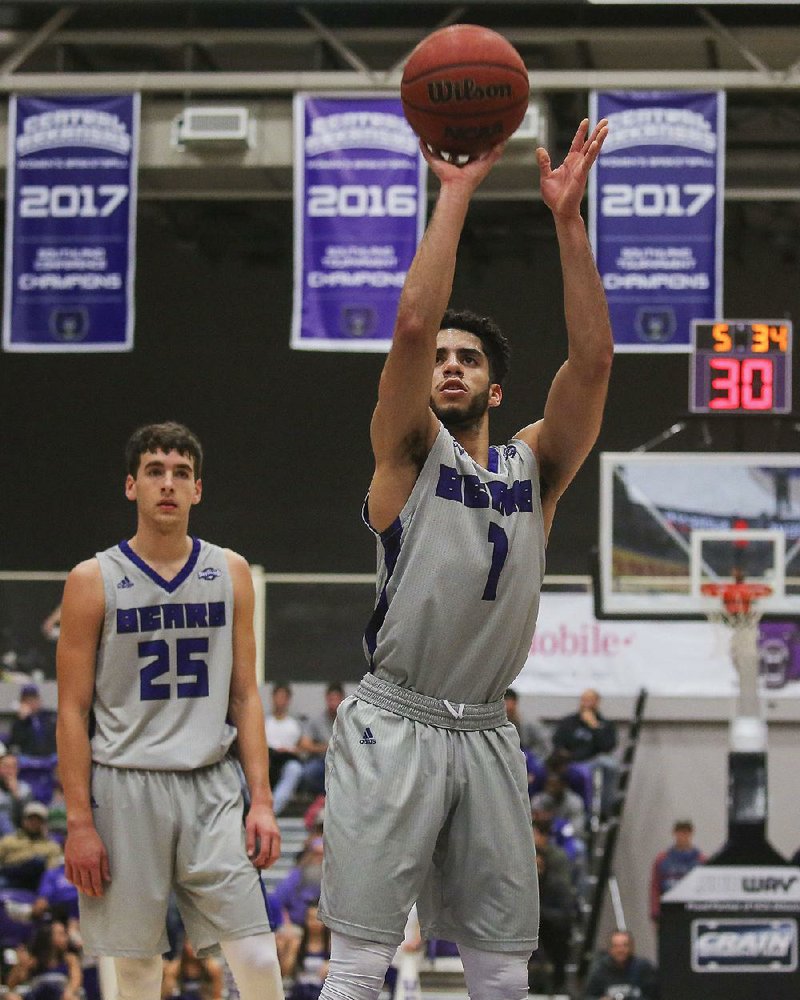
x=741 y=366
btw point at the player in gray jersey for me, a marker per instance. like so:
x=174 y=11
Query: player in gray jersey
x=426 y=785
x=157 y=656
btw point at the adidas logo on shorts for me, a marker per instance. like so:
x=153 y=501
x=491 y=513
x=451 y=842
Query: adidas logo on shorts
x=367 y=737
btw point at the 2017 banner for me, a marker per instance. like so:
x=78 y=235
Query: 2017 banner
x=656 y=202
x=70 y=223
x=359 y=196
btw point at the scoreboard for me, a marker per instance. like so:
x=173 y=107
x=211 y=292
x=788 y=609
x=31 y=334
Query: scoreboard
x=741 y=366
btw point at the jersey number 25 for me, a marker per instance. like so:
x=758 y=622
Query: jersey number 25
x=192 y=672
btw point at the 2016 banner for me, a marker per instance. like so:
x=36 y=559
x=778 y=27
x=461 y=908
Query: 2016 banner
x=359 y=195
x=656 y=201
x=70 y=223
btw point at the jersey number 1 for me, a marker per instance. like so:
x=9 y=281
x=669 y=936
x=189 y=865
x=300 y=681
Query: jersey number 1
x=192 y=673
x=498 y=539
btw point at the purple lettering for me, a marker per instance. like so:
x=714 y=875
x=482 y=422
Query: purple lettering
x=196 y=616
x=126 y=620
x=449 y=485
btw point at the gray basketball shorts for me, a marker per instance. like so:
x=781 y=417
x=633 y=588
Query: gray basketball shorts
x=163 y=830
x=423 y=812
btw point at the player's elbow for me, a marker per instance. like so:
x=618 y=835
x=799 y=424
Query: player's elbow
x=413 y=324
x=595 y=364
x=591 y=371
x=605 y=358
x=73 y=710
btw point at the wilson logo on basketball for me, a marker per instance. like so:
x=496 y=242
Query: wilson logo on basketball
x=445 y=91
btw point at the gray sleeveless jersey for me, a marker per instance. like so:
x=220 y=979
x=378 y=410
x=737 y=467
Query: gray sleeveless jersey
x=163 y=669
x=459 y=575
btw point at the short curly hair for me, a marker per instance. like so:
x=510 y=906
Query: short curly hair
x=167 y=436
x=495 y=344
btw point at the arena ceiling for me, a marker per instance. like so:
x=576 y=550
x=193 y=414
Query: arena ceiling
x=257 y=54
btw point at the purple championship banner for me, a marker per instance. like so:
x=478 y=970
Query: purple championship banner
x=70 y=223
x=656 y=204
x=359 y=214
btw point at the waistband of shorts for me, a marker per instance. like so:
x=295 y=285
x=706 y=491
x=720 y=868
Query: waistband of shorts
x=180 y=772
x=431 y=711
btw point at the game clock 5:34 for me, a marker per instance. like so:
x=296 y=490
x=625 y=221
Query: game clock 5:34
x=741 y=366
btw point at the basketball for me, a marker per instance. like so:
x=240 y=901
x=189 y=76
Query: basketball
x=464 y=89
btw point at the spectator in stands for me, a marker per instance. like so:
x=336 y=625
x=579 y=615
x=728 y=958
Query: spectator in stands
x=283 y=738
x=532 y=734
x=560 y=834
x=56 y=898
x=26 y=853
x=618 y=972
x=558 y=798
x=316 y=737
x=14 y=792
x=587 y=735
x=537 y=772
x=310 y=964
x=558 y=862
x=577 y=776
x=192 y=978
x=671 y=865
x=556 y=915
x=294 y=895
x=33 y=731
x=49 y=968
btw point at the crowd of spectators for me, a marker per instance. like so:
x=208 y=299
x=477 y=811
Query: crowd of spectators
x=39 y=928
x=571 y=776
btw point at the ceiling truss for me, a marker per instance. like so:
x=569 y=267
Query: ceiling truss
x=180 y=57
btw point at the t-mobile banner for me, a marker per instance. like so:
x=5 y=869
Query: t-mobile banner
x=359 y=203
x=656 y=202
x=70 y=223
x=571 y=651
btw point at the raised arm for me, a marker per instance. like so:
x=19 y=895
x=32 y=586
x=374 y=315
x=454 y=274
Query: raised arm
x=82 y=611
x=573 y=412
x=403 y=426
x=262 y=837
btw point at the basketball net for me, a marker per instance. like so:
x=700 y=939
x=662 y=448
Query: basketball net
x=739 y=613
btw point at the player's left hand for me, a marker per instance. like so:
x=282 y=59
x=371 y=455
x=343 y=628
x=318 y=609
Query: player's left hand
x=262 y=836
x=562 y=188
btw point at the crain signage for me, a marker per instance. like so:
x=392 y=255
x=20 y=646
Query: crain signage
x=742 y=945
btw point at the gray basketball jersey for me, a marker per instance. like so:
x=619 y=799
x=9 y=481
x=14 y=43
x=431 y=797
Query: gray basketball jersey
x=163 y=670
x=459 y=575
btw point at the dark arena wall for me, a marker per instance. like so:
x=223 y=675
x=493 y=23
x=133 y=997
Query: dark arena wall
x=286 y=432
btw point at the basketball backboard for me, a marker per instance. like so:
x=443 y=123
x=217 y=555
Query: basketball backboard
x=671 y=522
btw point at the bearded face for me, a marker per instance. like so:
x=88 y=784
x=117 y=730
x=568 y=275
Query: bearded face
x=461 y=390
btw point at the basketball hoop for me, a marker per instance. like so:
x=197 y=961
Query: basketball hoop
x=738 y=611
x=738 y=602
